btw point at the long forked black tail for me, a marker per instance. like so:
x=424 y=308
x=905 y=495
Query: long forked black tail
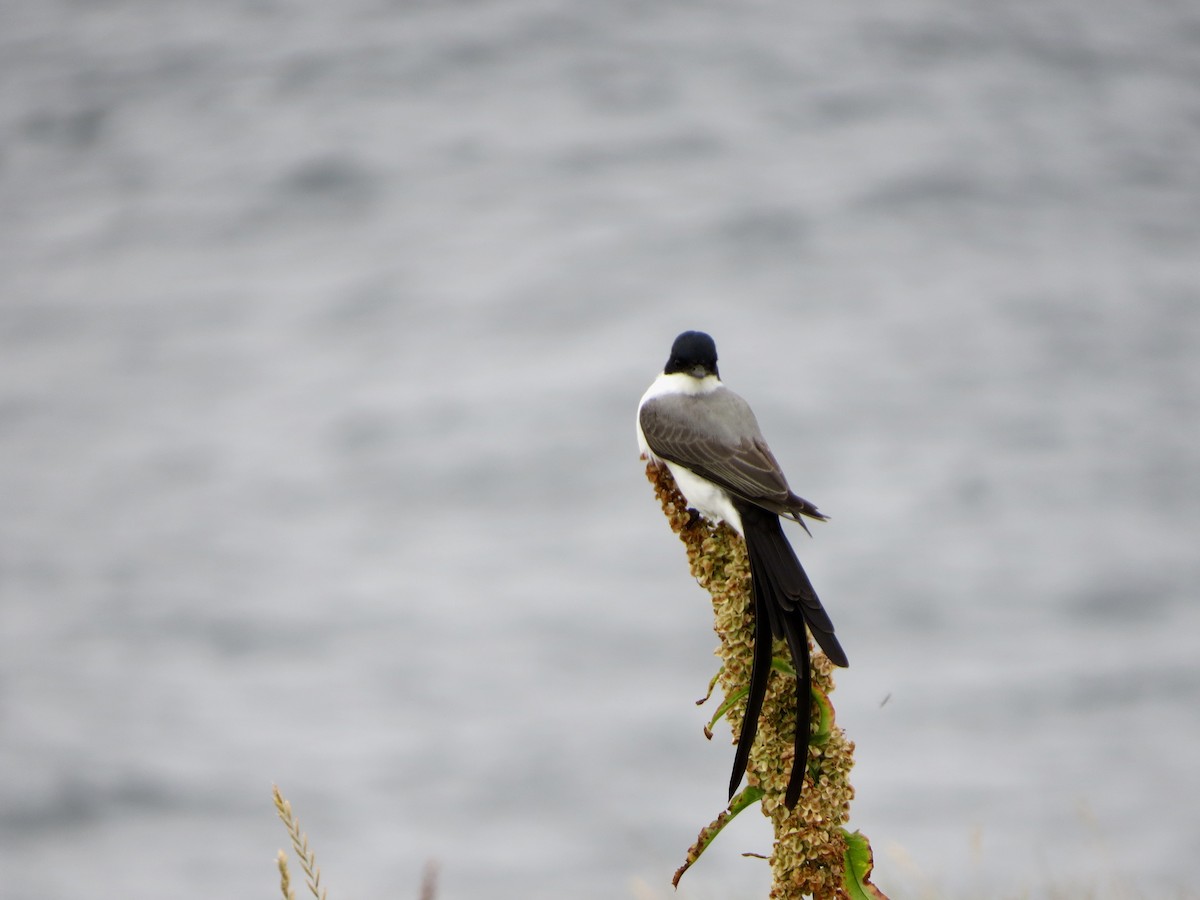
x=760 y=672
x=784 y=603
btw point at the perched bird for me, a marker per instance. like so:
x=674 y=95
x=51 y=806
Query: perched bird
x=709 y=439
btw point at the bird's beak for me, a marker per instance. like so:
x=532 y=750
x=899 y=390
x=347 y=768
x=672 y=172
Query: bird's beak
x=698 y=371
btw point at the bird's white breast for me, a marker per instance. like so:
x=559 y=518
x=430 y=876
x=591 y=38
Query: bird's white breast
x=705 y=497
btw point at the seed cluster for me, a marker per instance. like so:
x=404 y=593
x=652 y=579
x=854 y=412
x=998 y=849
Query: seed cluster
x=809 y=852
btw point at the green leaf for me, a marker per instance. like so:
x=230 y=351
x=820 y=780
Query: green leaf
x=859 y=862
x=748 y=797
x=712 y=684
x=722 y=709
x=783 y=666
x=824 y=726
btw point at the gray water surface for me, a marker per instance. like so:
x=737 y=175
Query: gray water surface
x=322 y=327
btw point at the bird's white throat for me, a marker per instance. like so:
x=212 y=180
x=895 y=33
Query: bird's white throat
x=680 y=383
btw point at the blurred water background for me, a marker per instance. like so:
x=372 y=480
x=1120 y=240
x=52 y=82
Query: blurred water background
x=322 y=327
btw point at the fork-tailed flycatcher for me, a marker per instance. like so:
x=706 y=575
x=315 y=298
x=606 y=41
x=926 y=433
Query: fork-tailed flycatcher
x=708 y=438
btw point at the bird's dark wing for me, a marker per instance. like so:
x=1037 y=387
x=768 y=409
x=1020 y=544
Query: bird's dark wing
x=716 y=436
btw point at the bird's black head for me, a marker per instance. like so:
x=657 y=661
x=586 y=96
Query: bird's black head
x=693 y=352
